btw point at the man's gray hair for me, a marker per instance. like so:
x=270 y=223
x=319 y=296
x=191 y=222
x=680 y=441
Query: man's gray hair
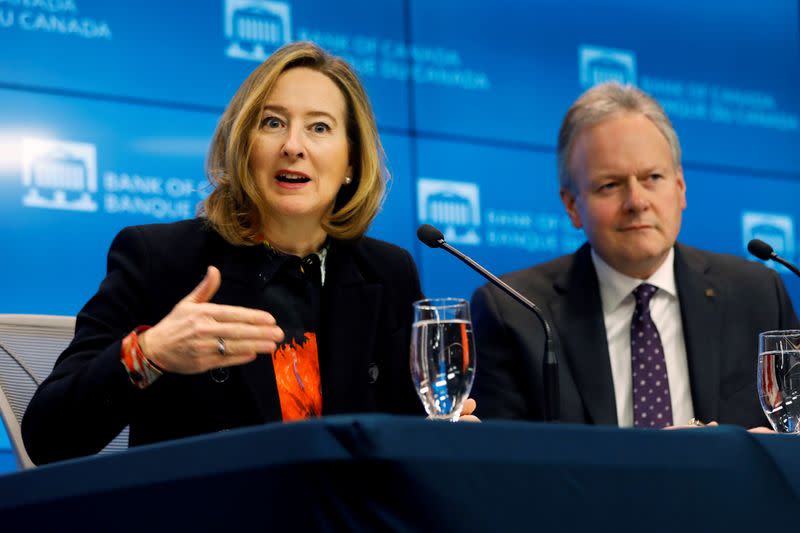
x=599 y=103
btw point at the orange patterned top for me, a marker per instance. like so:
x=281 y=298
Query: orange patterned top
x=297 y=375
x=292 y=295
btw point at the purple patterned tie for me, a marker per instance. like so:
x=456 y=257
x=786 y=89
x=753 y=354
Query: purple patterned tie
x=651 y=401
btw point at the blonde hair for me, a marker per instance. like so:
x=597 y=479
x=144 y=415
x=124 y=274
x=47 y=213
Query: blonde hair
x=236 y=205
x=599 y=103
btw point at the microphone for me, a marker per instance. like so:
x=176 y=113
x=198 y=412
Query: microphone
x=433 y=238
x=764 y=251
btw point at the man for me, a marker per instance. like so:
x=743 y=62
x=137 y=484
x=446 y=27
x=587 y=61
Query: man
x=649 y=332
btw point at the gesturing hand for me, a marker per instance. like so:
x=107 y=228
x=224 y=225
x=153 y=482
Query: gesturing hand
x=187 y=340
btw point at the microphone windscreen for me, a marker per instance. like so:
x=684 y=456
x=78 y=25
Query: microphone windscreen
x=760 y=249
x=430 y=236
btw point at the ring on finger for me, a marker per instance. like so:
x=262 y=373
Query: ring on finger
x=221 y=345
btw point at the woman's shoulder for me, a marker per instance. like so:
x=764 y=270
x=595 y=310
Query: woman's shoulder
x=194 y=227
x=380 y=252
x=382 y=258
x=182 y=241
x=183 y=233
x=378 y=247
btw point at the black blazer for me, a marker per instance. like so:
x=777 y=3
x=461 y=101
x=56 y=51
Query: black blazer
x=725 y=302
x=363 y=343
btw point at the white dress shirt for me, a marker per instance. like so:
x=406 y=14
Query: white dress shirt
x=616 y=295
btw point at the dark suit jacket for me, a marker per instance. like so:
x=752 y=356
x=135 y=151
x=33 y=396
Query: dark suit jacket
x=366 y=327
x=725 y=302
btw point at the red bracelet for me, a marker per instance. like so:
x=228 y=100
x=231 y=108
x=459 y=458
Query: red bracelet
x=141 y=371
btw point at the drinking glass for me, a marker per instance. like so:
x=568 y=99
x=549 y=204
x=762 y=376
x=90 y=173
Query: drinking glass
x=779 y=378
x=442 y=355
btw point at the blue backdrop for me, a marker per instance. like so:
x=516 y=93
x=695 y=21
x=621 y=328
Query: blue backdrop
x=106 y=110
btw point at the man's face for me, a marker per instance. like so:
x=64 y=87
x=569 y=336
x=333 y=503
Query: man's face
x=627 y=195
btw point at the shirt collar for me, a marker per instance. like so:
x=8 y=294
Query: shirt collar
x=323 y=256
x=278 y=258
x=616 y=286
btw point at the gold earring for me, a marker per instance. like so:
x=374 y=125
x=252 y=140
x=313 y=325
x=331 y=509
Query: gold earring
x=348 y=180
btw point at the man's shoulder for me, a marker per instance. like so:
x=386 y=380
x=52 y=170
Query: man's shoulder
x=721 y=264
x=540 y=280
x=549 y=271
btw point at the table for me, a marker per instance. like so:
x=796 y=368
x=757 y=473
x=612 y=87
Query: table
x=378 y=472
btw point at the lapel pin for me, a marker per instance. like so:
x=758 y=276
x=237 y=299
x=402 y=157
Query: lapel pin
x=710 y=292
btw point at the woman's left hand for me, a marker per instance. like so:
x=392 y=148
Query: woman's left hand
x=467 y=410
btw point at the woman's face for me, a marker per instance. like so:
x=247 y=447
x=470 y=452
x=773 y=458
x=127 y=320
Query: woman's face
x=299 y=154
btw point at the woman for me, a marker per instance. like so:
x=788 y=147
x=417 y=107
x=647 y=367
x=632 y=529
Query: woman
x=272 y=306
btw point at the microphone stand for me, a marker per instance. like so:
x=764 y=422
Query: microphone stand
x=550 y=362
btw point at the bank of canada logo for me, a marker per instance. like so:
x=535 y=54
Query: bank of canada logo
x=255 y=28
x=775 y=229
x=599 y=65
x=453 y=207
x=59 y=174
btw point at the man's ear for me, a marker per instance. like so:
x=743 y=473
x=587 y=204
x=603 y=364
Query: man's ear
x=681 y=187
x=568 y=198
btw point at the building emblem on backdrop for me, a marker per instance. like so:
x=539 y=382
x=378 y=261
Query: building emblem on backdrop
x=775 y=229
x=599 y=65
x=256 y=28
x=451 y=206
x=59 y=174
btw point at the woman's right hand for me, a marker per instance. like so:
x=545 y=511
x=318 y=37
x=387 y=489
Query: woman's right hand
x=187 y=340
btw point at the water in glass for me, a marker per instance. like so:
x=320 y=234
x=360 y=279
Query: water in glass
x=442 y=355
x=779 y=379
